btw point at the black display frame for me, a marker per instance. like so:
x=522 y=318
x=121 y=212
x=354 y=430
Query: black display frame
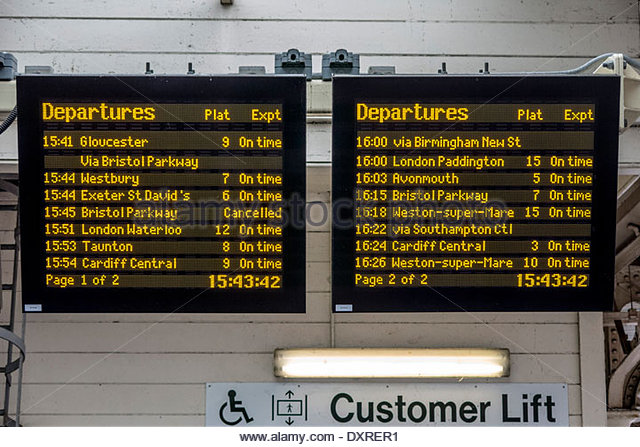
x=288 y=90
x=603 y=91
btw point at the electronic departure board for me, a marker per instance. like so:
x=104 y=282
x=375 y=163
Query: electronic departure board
x=162 y=193
x=463 y=193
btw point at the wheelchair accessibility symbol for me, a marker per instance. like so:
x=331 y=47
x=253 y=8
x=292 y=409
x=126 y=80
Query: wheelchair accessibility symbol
x=229 y=410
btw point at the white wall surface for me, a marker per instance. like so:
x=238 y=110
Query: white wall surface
x=80 y=36
x=151 y=369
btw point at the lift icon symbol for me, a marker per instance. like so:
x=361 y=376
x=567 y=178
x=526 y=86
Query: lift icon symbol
x=289 y=407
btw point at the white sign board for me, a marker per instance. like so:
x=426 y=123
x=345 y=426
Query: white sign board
x=384 y=404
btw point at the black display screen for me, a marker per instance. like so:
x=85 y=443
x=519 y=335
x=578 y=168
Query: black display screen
x=463 y=193
x=162 y=193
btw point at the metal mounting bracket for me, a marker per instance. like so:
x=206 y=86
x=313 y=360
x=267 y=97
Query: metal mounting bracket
x=629 y=88
x=294 y=61
x=340 y=62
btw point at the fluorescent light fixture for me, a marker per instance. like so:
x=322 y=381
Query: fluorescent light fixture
x=390 y=363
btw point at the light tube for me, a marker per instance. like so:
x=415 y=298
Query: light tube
x=390 y=363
